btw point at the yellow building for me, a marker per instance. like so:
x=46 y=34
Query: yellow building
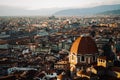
x=102 y=61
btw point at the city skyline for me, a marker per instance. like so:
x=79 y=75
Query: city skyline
x=39 y=4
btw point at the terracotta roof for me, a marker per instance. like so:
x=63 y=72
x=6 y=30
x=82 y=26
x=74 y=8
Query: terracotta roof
x=3 y=41
x=102 y=57
x=9 y=77
x=84 y=45
x=83 y=72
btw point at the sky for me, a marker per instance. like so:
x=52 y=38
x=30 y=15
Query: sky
x=41 y=4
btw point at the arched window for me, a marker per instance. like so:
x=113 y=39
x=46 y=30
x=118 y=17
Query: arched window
x=79 y=59
x=82 y=58
x=94 y=59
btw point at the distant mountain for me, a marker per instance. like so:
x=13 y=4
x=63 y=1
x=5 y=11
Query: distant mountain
x=15 y=11
x=88 y=11
x=113 y=12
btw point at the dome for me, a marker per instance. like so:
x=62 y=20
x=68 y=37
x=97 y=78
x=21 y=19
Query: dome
x=84 y=45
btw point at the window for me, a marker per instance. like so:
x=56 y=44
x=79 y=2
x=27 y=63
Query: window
x=100 y=60
x=78 y=58
x=82 y=58
x=103 y=61
x=94 y=59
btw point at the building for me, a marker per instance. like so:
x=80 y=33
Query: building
x=103 y=70
x=83 y=52
x=102 y=61
x=62 y=65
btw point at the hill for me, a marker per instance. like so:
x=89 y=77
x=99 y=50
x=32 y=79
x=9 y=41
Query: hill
x=88 y=11
x=112 y=12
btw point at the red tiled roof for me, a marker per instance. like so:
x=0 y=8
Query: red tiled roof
x=9 y=77
x=3 y=41
x=84 y=45
x=102 y=57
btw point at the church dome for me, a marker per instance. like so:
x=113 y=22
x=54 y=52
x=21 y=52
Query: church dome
x=84 y=45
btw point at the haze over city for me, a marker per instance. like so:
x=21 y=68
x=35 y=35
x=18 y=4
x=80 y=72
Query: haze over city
x=39 y=4
x=47 y=7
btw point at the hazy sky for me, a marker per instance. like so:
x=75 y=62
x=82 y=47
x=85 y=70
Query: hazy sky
x=38 y=4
